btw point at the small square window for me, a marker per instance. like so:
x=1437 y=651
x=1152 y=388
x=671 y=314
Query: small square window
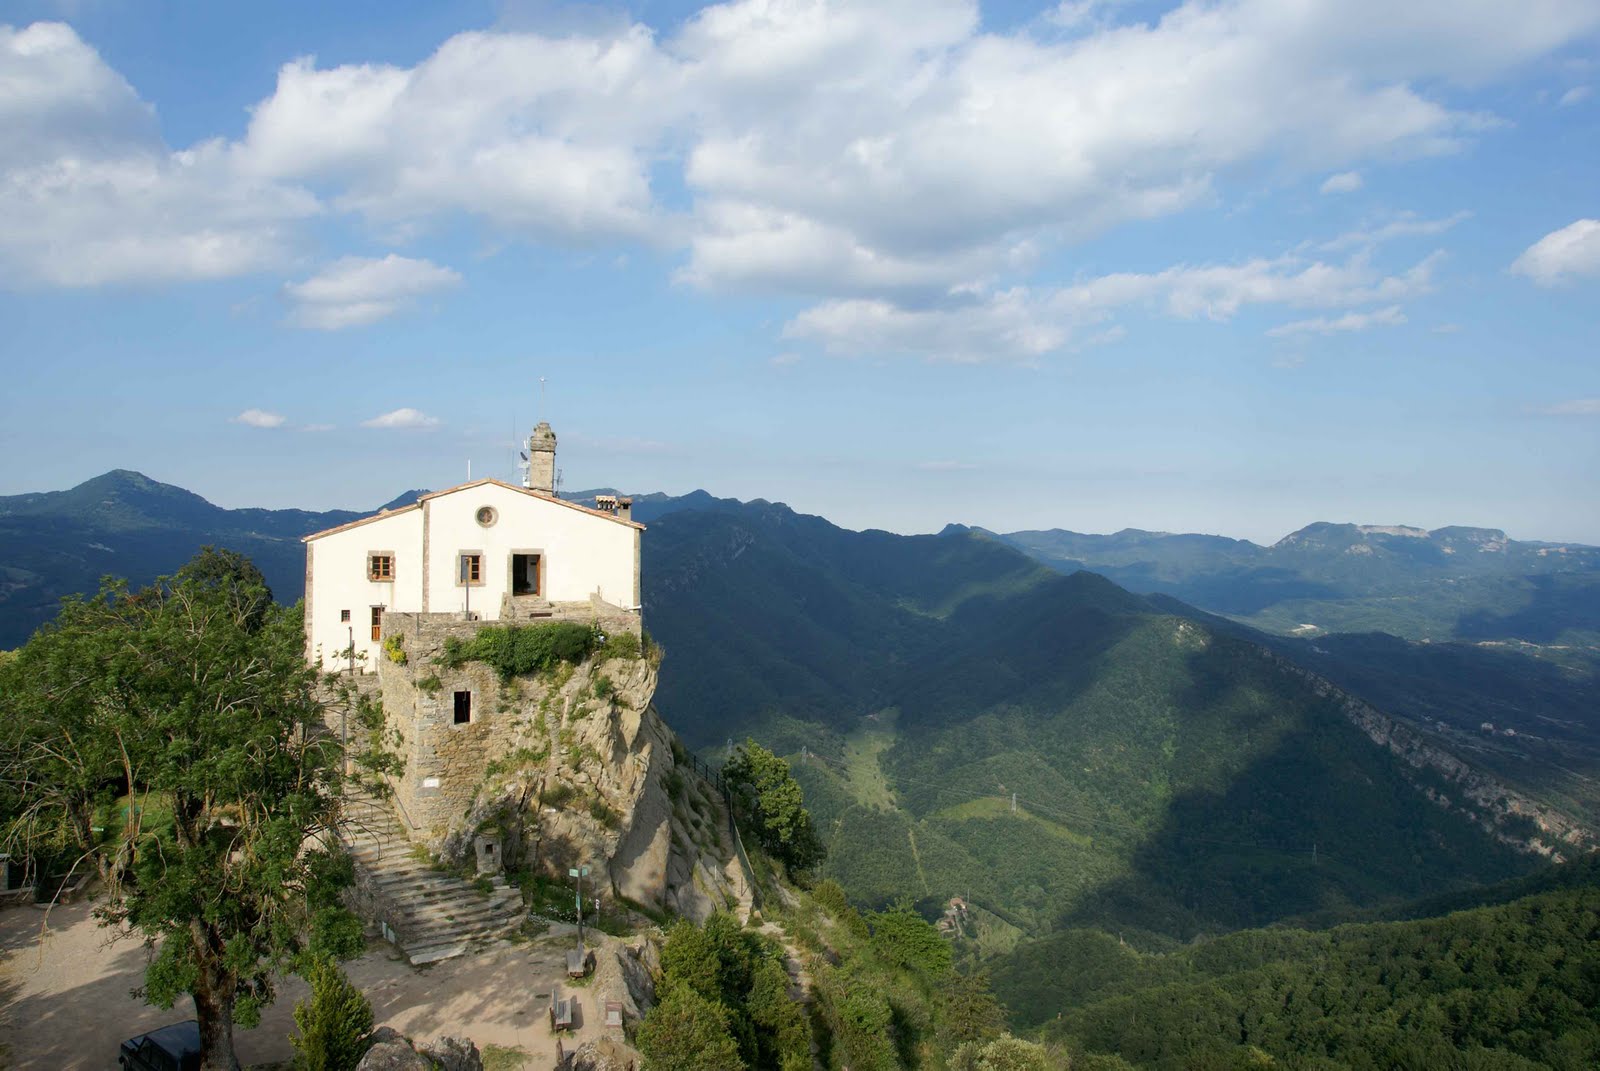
x=463 y=708
x=380 y=566
x=344 y=617
x=471 y=569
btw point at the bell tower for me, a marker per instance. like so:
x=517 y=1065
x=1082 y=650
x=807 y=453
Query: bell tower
x=541 y=459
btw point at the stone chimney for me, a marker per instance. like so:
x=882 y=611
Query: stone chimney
x=542 y=459
x=625 y=508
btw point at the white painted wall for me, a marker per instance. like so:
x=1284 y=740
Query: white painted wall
x=337 y=580
x=583 y=554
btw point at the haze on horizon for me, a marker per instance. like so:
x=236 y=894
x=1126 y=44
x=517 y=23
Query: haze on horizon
x=1225 y=267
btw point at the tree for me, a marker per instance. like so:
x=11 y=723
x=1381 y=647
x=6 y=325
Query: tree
x=906 y=939
x=61 y=753
x=774 y=802
x=690 y=958
x=201 y=691
x=333 y=1026
x=782 y=1034
x=968 y=1010
x=1004 y=1054
x=687 y=1032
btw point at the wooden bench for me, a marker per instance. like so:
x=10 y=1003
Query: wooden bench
x=579 y=962
x=563 y=1012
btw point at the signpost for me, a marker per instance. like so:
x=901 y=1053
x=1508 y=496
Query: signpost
x=580 y=873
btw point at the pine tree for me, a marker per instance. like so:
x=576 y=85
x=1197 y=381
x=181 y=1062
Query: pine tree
x=333 y=1026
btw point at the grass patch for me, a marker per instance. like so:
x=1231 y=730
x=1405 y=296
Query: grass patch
x=863 y=772
x=504 y=1058
x=992 y=809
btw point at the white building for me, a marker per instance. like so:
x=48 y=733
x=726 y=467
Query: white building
x=487 y=549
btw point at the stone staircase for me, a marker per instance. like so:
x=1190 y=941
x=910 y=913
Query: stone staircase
x=430 y=914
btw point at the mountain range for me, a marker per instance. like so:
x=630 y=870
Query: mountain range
x=970 y=714
x=1471 y=584
x=1093 y=751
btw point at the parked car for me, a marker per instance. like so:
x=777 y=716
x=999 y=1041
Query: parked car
x=172 y=1048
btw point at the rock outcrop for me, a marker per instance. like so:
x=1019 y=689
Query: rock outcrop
x=568 y=768
x=1498 y=808
x=392 y=1052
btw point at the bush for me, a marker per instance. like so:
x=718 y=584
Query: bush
x=904 y=938
x=687 y=1032
x=333 y=1026
x=625 y=645
x=394 y=649
x=515 y=650
x=603 y=813
x=1002 y=1054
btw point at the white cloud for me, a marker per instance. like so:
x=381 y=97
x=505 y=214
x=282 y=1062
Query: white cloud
x=259 y=418
x=891 y=150
x=1575 y=95
x=1350 y=321
x=1021 y=324
x=551 y=136
x=1576 y=407
x=354 y=291
x=1572 y=250
x=1406 y=225
x=1343 y=182
x=89 y=193
x=407 y=418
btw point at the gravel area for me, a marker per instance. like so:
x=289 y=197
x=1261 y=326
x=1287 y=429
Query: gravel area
x=66 y=1000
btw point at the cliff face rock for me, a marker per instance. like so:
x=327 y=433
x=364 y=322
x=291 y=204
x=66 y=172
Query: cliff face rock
x=1495 y=806
x=568 y=768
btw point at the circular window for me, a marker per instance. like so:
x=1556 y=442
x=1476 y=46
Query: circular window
x=486 y=515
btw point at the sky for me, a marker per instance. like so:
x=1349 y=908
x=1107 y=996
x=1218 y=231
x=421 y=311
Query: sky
x=1231 y=267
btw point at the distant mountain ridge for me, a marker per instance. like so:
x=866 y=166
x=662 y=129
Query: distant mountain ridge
x=122 y=523
x=1454 y=582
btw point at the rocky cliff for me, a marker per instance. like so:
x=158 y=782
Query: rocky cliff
x=570 y=767
x=1511 y=816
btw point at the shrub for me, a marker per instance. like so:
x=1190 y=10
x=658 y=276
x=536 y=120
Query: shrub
x=394 y=649
x=625 y=645
x=906 y=939
x=333 y=1026
x=603 y=687
x=603 y=813
x=515 y=650
x=687 y=1032
x=1001 y=1054
x=558 y=794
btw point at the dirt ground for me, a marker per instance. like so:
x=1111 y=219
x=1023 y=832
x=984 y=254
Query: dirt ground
x=65 y=1000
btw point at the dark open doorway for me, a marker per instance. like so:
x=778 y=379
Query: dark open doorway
x=525 y=578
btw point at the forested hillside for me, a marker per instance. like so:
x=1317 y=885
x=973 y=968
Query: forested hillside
x=58 y=543
x=1169 y=779
x=1508 y=985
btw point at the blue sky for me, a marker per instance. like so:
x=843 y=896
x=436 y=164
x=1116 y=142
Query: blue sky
x=1228 y=267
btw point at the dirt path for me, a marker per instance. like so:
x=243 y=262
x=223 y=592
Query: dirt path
x=66 y=1004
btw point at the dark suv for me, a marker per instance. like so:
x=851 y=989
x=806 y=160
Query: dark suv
x=172 y=1048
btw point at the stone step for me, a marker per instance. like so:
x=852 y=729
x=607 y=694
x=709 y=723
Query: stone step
x=443 y=898
x=434 y=914
x=463 y=921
